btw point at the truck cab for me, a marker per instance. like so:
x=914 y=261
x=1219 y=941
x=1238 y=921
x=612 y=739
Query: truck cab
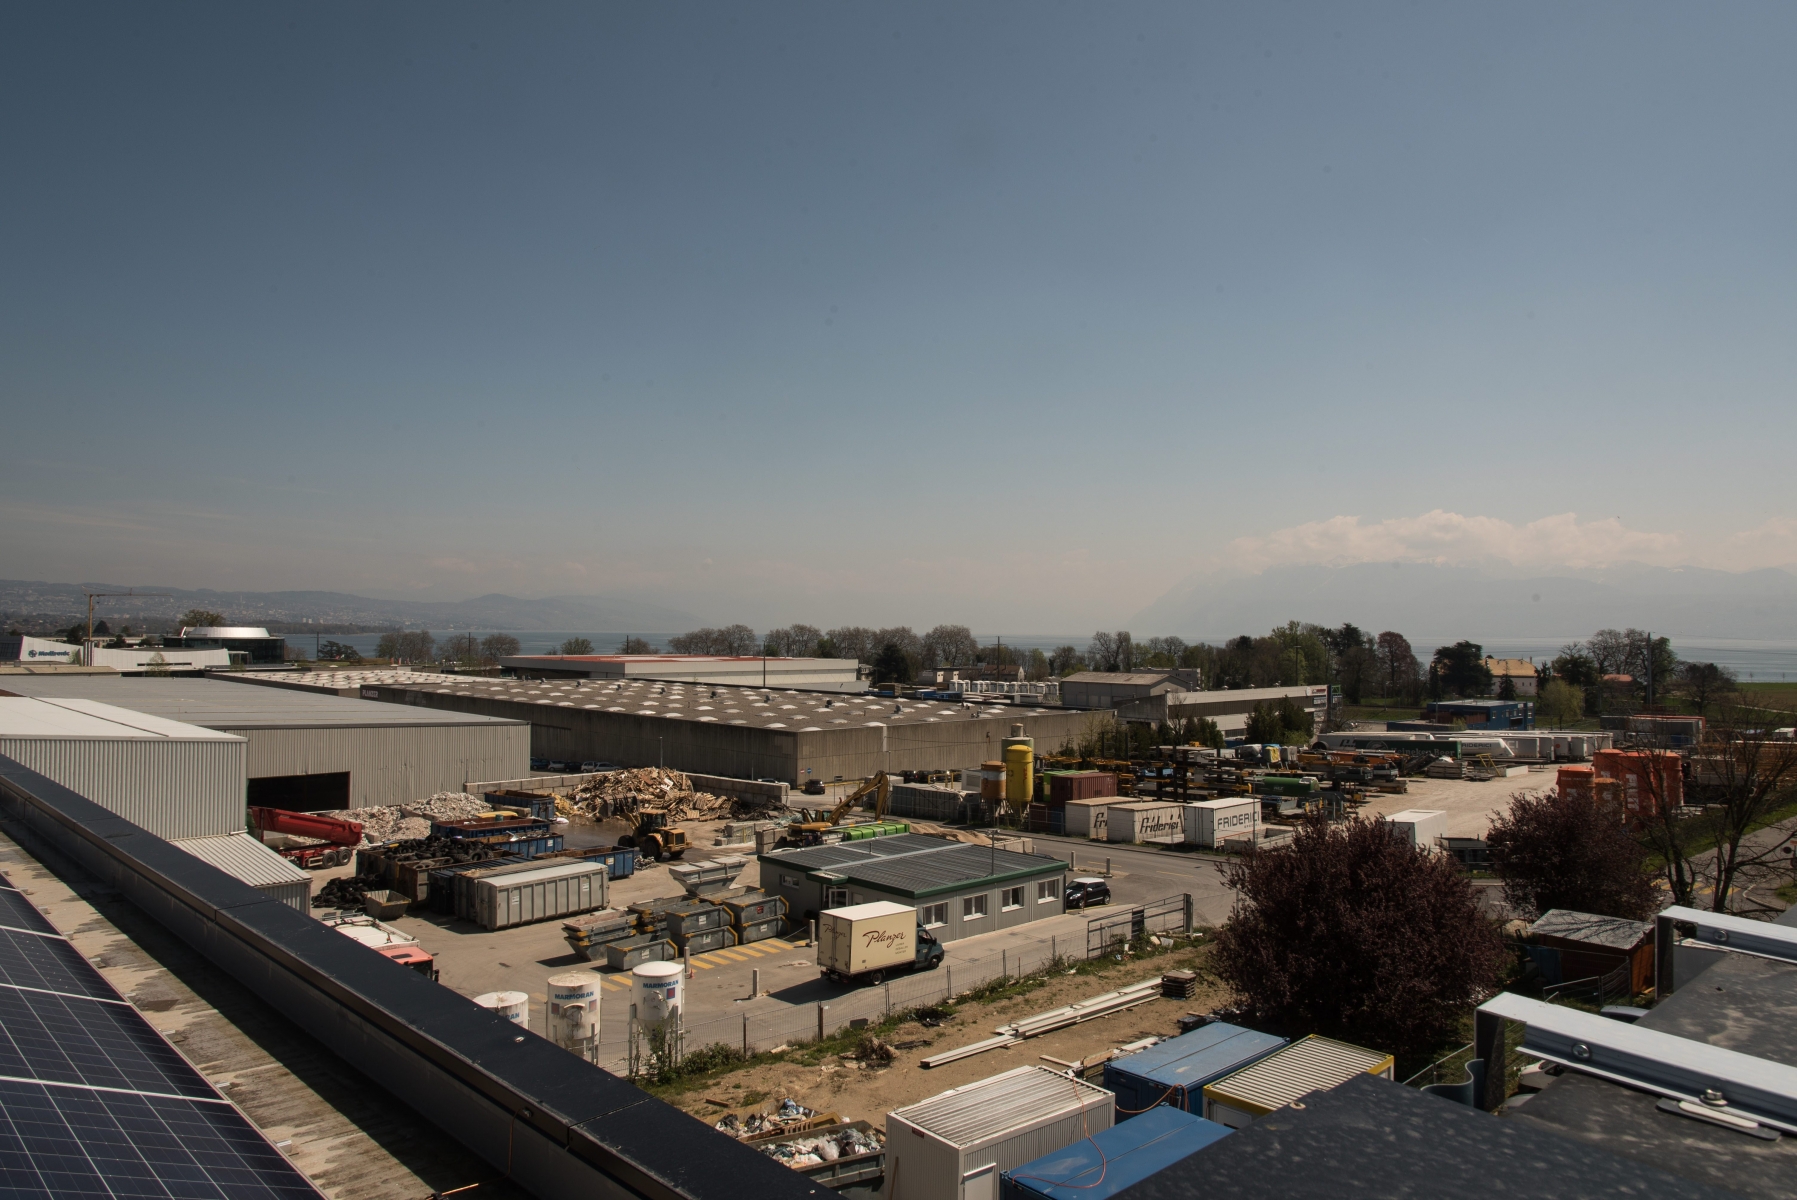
x=929 y=951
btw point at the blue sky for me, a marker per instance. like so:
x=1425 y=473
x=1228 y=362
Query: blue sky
x=1012 y=314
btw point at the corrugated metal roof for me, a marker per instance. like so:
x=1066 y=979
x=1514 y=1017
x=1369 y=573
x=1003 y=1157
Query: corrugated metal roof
x=1017 y=1099
x=1615 y=933
x=1314 y=1064
x=218 y=704
x=540 y=874
x=824 y=858
x=31 y=717
x=916 y=864
x=243 y=857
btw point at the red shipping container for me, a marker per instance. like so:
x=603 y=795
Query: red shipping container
x=1081 y=785
x=1647 y=780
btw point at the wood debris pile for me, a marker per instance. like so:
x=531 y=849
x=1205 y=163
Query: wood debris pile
x=624 y=793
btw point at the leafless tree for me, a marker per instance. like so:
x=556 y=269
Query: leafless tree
x=1064 y=660
x=856 y=642
x=1111 y=651
x=795 y=641
x=949 y=646
x=731 y=639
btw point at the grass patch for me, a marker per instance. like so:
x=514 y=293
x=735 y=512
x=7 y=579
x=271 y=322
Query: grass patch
x=1705 y=839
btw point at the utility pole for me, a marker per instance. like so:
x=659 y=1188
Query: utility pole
x=92 y=596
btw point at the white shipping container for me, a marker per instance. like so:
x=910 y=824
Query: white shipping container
x=1153 y=821
x=560 y=890
x=866 y=937
x=1210 y=822
x=1086 y=818
x=955 y=1145
x=1420 y=826
x=174 y=779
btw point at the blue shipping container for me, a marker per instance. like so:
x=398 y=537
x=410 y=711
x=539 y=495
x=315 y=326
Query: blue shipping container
x=1106 y=1163
x=1175 y=1071
x=619 y=861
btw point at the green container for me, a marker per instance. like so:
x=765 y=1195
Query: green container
x=1286 y=785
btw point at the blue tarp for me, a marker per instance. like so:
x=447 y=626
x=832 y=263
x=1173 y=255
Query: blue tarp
x=1106 y=1163
x=1175 y=1071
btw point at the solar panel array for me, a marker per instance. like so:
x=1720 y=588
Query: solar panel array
x=95 y=1103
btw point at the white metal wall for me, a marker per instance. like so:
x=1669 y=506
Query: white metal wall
x=171 y=787
x=392 y=764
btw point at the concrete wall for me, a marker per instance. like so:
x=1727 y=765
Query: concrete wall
x=742 y=752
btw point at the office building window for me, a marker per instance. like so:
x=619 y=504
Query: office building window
x=1011 y=898
x=1047 y=890
x=973 y=907
x=933 y=916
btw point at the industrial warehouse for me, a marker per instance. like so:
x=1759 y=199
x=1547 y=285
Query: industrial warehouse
x=791 y=736
x=311 y=751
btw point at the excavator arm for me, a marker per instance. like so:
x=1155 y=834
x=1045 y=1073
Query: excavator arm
x=878 y=787
x=331 y=829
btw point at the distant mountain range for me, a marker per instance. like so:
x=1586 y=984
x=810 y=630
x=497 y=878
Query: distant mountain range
x=39 y=604
x=1496 y=601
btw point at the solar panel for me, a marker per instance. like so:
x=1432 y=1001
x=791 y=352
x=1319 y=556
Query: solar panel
x=49 y=964
x=78 y=1143
x=17 y=912
x=94 y=1103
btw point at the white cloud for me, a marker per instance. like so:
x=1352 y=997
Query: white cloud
x=1562 y=540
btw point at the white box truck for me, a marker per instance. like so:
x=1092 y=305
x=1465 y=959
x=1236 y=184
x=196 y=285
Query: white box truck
x=1151 y=821
x=1420 y=826
x=1210 y=822
x=865 y=943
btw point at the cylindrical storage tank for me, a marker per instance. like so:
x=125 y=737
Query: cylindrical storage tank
x=660 y=990
x=1020 y=768
x=574 y=1011
x=992 y=781
x=513 y=1006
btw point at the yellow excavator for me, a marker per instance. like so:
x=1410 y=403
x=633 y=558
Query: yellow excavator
x=810 y=831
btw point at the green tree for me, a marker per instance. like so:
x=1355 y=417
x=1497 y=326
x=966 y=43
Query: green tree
x=577 y=645
x=1207 y=733
x=633 y=644
x=1460 y=670
x=329 y=651
x=1705 y=683
x=202 y=618
x=1506 y=688
x=892 y=665
x=1559 y=704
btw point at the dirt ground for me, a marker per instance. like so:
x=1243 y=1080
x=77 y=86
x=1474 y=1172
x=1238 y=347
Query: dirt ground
x=857 y=1092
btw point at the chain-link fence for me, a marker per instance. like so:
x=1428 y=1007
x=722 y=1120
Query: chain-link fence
x=766 y=1029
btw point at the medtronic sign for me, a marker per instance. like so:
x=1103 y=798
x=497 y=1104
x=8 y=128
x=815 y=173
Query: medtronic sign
x=30 y=649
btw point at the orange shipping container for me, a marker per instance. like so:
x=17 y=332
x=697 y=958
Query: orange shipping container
x=1647 y=779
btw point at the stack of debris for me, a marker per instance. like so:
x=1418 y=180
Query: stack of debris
x=791 y=1116
x=623 y=793
x=403 y=822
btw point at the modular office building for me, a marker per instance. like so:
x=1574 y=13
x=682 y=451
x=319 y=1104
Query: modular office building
x=958 y=889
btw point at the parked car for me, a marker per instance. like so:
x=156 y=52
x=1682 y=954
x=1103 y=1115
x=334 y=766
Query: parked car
x=539 y=764
x=1086 y=891
x=588 y=767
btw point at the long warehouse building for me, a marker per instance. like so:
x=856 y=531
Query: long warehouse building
x=312 y=751
x=747 y=733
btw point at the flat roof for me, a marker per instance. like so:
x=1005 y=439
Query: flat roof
x=217 y=704
x=32 y=717
x=916 y=865
x=723 y=704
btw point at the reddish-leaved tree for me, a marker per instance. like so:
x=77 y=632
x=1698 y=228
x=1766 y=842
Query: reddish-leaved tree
x=1354 y=933
x=1569 y=851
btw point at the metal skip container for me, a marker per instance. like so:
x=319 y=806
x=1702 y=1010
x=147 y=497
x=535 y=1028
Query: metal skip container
x=954 y=1146
x=1175 y=1071
x=520 y=898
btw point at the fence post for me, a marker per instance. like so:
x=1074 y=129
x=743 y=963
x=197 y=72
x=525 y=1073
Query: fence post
x=1188 y=897
x=1054 y=951
x=950 y=971
x=820 y=1021
x=745 y=1035
x=754 y=984
x=888 y=986
x=1004 y=966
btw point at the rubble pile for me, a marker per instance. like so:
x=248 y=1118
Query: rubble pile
x=790 y=1113
x=623 y=793
x=403 y=822
x=839 y=1143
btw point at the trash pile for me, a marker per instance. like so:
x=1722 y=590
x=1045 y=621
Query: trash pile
x=828 y=1147
x=623 y=793
x=403 y=822
x=347 y=892
x=790 y=1112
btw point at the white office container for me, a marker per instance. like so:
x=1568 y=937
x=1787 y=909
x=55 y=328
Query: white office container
x=1152 y=821
x=1086 y=818
x=954 y=1146
x=174 y=779
x=1420 y=826
x=1209 y=823
x=560 y=889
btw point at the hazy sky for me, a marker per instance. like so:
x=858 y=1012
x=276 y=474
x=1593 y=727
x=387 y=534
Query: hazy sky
x=1006 y=313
